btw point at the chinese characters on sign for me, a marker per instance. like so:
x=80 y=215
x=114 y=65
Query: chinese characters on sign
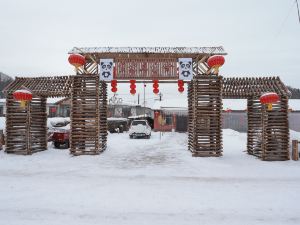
x=146 y=69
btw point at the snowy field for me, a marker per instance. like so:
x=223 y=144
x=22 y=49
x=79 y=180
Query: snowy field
x=157 y=182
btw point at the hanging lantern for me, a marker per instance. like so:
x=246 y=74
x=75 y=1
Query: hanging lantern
x=269 y=98
x=155 y=87
x=132 y=87
x=216 y=62
x=180 y=86
x=114 y=86
x=76 y=60
x=22 y=95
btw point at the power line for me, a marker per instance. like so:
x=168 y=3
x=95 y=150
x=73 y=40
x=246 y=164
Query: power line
x=298 y=10
x=283 y=22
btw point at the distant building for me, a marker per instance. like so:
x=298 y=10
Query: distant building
x=170 y=115
x=173 y=114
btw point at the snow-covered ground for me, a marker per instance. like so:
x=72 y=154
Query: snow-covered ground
x=138 y=181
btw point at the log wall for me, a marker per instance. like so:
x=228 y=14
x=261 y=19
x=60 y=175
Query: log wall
x=205 y=105
x=254 y=137
x=276 y=132
x=88 y=116
x=26 y=128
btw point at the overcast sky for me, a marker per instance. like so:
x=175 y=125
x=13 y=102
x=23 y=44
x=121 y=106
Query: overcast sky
x=261 y=37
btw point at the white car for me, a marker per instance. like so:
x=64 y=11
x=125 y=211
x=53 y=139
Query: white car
x=140 y=128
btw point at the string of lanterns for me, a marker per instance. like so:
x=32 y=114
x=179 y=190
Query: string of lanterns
x=155 y=87
x=132 y=87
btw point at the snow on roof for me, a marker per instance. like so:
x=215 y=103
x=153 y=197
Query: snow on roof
x=139 y=116
x=181 y=104
x=117 y=119
x=175 y=50
x=171 y=103
x=53 y=100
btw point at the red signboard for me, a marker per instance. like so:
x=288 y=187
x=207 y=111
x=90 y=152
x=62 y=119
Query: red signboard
x=146 y=69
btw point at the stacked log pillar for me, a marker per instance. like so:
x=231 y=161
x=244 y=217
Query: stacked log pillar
x=276 y=132
x=102 y=116
x=205 y=105
x=26 y=128
x=254 y=137
x=88 y=115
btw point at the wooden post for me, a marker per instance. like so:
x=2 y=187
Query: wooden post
x=295 y=150
x=1 y=139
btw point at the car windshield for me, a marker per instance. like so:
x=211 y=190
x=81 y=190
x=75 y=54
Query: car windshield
x=137 y=122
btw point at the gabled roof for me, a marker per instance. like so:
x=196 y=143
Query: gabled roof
x=58 y=86
x=245 y=87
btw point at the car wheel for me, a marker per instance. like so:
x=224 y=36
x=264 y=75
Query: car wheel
x=130 y=136
x=56 y=144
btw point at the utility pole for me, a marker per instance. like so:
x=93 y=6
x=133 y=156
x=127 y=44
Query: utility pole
x=298 y=10
x=144 y=99
x=138 y=98
x=160 y=96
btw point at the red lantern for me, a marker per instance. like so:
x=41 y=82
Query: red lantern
x=132 y=91
x=76 y=60
x=23 y=96
x=114 y=86
x=132 y=87
x=180 y=86
x=155 y=91
x=269 y=98
x=155 y=87
x=181 y=89
x=216 y=62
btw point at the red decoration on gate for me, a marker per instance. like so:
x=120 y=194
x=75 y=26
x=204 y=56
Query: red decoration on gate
x=216 y=62
x=269 y=98
x=23 y=96
x=180 y=86
x=132 y=87
x=155 y=87
x=76 y=60
x=114 y=86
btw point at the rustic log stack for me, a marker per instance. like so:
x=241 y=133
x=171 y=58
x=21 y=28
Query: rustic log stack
x=205 y=132
x=254 y=137
x=88 y=122
x=26 y=128
x=102 y=116
x=275 y=137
